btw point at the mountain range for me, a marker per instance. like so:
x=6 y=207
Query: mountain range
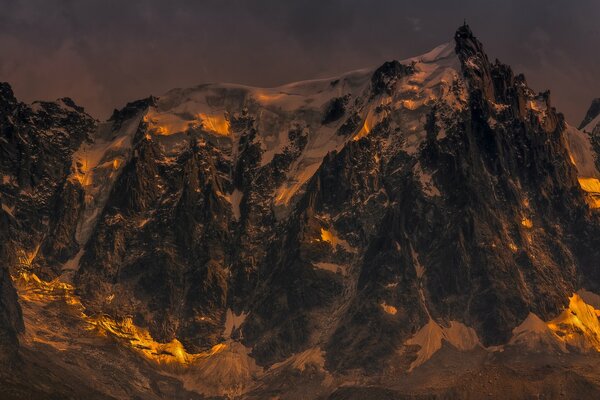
x=425 y=229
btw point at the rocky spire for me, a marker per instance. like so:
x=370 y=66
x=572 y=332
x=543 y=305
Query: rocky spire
x=475 y=64
x=7 y=97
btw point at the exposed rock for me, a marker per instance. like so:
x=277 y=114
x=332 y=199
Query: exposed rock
x=591 y=114
x=385 y=218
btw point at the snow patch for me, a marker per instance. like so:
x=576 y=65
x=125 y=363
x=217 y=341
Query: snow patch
x=431 y=337
x=96 y=167
x=229 y=372
x=593 y=127
x=534 y=334
x=388 y=308
x=578 y=325
x=331 y=267
x=73 y=263
x=314 y=357
x=232 y=322
x=581 y=152
x=330 y=236
x=235 y=199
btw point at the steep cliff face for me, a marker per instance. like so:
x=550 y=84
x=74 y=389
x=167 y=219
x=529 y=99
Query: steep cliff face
x=495 y=240
x=36 y=144
x=350 y=227
x=11 y=319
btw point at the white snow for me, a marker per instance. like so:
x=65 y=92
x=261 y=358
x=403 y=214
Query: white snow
x=431 y=337
x=228 y=373
x=73 y=263
x=436 y=71
x=581 y=152
x=210 y=109
x=236 y=198
x=534 y=334
x=583 y=157
x=300 y=361
x=97 y=165
x=232 y=322
x=332 y=267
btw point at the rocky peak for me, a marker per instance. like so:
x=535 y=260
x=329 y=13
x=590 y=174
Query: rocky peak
x=7 y=98
x=475 y=64
x=591 y=114
x=386 y=75
x=131 y=109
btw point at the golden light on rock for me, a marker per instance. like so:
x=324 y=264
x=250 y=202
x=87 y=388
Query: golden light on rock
x=389 y=309
x=33 y=289
x=590 y=185
x=141 y=341
x=527 y=223
x=578 y=325
x=364 y=131
x=26 y=257
x=592 y=188
x=215 y=123
x=165 y=124
x=82 y=173
x=327 y=236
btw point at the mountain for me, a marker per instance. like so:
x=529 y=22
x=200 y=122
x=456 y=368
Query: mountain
x=590 y=121
x=425 y=228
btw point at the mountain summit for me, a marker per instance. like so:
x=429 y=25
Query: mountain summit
x=428 y=227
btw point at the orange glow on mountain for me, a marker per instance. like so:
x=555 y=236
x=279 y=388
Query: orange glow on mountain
x=389 y=309
x=215 y=123
x=26 y=257
x=82 y=173
x=33 y=289
x=141 y=341
x=327 y=236
x=164 y=124
x=578 y=325
x=527 y=223
x=590 y=185
x=592 y=188
x=267 y=97
x=364 y=131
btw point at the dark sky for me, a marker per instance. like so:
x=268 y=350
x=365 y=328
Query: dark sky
x=105 y=53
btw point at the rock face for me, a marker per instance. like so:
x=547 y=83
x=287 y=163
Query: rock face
x=349 y=226
x=11 y=322
x=36 y=144
x=591 y=114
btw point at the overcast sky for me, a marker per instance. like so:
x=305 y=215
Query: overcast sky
x=105 y=53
